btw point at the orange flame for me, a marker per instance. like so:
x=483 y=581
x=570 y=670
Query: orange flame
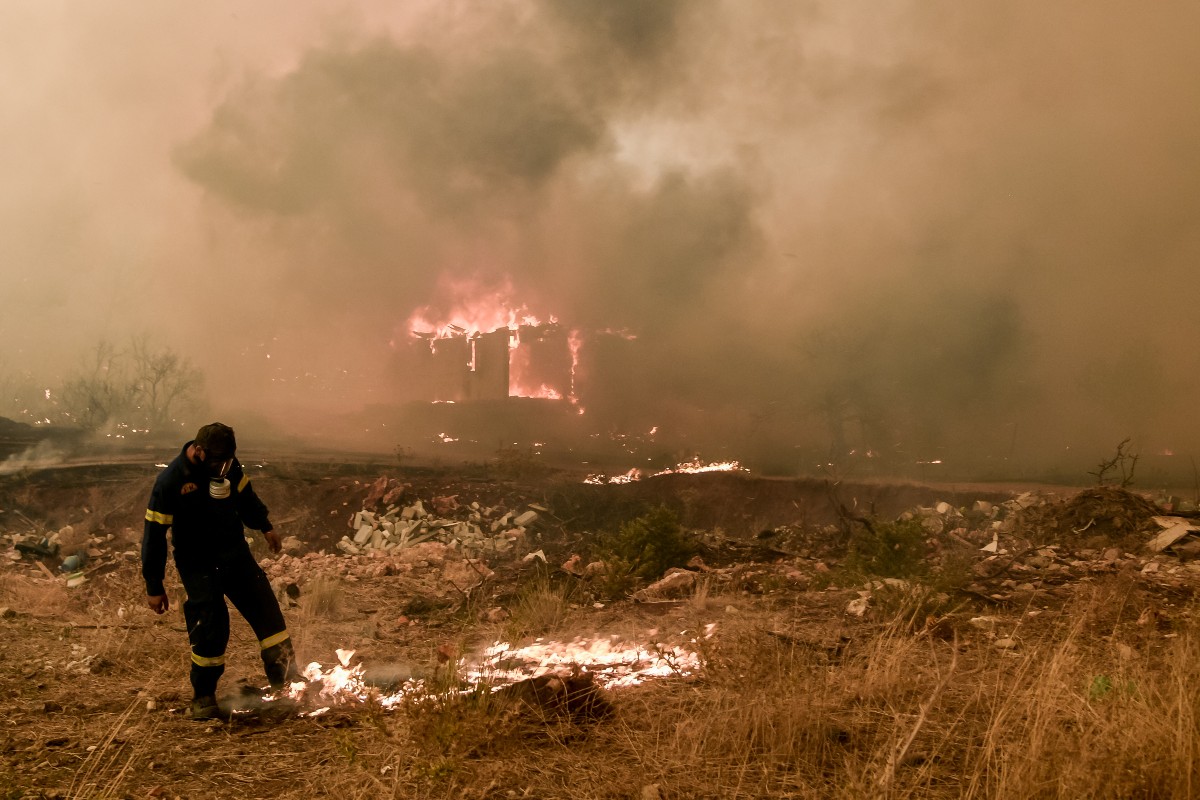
x=474 y=312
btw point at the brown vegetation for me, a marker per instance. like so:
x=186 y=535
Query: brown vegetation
x=983 y=676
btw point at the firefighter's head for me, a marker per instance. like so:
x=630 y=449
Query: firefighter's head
x=214 y=446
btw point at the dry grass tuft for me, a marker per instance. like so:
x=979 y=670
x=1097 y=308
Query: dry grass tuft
x=34 y=595
x=541 y=607
x=321 y=598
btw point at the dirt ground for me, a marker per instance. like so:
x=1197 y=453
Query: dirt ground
x=93 y=685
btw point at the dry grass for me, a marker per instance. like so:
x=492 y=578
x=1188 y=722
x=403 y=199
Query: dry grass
x=540 y=608
x=320 y=597
x=797 y=700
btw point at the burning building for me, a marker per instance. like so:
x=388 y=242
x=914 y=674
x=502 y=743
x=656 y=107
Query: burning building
x=462 y=363
x=489 y=376
x=462 y=366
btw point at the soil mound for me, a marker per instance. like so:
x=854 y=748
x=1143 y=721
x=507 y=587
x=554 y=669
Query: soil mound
x=1102 y=515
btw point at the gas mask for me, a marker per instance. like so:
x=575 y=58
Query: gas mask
x=218 y=484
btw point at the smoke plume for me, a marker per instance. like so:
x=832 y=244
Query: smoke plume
x=825 y=231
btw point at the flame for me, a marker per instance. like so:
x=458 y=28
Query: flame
x=575 y=343
x=694 y=466
x=542 y=392
x=634 y=474
x=475 y=312
x=612 y=664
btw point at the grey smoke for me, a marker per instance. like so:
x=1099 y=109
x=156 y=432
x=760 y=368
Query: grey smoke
x=931 y=230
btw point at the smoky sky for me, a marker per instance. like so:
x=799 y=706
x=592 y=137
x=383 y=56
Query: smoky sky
x=905 y=225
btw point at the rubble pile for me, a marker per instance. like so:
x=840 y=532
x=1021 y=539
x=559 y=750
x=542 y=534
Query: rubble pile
x=1035 y=543
x=470 y=526
x=978 y=525
x=983 y=522
x=1102 y=514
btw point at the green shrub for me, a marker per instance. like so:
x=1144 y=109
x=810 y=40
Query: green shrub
x=889 y=549
x=653 y=543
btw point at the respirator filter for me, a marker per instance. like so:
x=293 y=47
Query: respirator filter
x=218 y=485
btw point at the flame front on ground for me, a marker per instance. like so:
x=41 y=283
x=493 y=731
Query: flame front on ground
x=612 y=664
x=695 y=466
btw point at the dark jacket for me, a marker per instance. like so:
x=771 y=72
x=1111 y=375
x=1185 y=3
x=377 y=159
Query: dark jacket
x=204 y=529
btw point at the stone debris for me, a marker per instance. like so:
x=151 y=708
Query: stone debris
x=858 y=606
x=469 y=526
x=676 y=583
x=1175 y=529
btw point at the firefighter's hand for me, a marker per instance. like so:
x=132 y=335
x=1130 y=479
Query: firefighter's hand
x=273 y=541
x=158 y=603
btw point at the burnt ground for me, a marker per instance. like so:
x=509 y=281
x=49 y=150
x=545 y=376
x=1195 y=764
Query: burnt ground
x=93 y=687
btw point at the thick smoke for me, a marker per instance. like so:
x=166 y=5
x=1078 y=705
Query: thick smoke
x=907 y=232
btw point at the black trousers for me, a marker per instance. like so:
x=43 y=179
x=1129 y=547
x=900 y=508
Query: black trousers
x=234 y=575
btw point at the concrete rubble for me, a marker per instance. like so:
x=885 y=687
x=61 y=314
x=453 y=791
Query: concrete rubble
x=472 y=528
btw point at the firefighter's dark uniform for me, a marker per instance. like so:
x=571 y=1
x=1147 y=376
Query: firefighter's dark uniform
x=214 y=562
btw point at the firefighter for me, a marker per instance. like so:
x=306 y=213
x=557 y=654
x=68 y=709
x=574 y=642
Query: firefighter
x=207 y=501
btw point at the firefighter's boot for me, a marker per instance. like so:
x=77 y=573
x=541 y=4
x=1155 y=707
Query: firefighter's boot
x=279 y=661
x=205 y=708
